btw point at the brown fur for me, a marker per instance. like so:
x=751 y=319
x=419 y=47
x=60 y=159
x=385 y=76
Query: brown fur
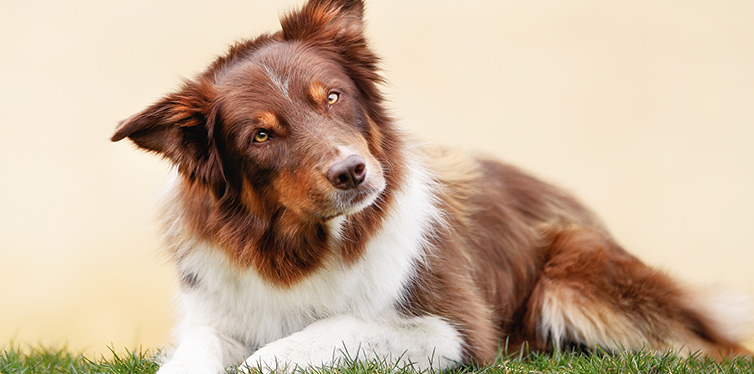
x=513 y=258
x=520 y=248
x=249 y=206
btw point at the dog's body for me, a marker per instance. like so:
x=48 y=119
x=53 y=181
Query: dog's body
x=307 y=228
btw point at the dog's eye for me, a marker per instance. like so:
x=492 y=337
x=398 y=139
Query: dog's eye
x=261 y=136
x=332 y=98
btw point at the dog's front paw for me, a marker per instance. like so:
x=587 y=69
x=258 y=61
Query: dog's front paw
x=287 y=356
x=183 y=367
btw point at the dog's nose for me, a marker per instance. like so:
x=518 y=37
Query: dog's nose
x=347 y=174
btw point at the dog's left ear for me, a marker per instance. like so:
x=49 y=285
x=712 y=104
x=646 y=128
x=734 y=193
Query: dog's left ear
x=337 y=26
x=332 y=22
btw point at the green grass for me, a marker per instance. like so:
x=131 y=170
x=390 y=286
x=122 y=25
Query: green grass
x=16 y=360
x=38 y=360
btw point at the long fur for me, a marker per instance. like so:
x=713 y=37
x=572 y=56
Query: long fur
x=433 y=258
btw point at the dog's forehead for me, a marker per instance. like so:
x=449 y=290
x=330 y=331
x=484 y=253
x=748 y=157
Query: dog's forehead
x=283 y=78
x=285 y=68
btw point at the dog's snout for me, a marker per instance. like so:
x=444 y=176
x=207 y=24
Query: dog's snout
x=347 y=174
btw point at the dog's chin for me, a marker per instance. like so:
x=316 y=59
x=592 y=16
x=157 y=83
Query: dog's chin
x=351 y=202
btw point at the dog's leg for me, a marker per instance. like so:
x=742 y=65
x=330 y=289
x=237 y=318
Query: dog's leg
x=593 y=293
x=424 y=342
x=202 y=350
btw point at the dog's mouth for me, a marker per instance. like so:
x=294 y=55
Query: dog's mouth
x=354 y=183
x=345 y=187
x=358 y=199
x=351 y=201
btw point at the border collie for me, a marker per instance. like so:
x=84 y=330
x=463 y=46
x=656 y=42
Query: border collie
x=307 y=228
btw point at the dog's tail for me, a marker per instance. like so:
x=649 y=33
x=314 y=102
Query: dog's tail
x=593 y=293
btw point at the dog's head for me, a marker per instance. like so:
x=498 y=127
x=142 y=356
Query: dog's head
x=291 y=120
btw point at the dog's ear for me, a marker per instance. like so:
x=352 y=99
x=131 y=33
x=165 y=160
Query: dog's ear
x=339 y=22
x=180 y=127
x=337 y=26
x=352 y=8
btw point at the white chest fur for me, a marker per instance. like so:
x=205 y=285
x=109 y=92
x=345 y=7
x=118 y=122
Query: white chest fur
x=243 y=306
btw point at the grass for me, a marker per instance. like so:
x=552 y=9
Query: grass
x=33 y=360
x=39 y=360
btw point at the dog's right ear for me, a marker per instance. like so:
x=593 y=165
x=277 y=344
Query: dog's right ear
x=180 y=127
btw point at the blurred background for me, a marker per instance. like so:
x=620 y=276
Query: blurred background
x=643 y=109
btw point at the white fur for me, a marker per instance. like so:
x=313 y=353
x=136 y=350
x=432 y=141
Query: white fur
x=731 y=312
x=233 y=313
x=279 y=81
x=567 y=316
x=410 y=341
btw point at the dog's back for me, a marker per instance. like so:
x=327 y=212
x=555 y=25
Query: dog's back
x=527 y=262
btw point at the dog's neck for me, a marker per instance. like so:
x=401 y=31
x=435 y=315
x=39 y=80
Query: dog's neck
x=281 y=246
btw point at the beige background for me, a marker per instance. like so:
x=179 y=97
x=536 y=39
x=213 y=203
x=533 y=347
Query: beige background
x=643 y=109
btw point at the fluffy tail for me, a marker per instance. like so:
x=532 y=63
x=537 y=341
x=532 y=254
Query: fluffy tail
x=593 y=293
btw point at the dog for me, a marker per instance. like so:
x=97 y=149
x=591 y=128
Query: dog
x=307 y=228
